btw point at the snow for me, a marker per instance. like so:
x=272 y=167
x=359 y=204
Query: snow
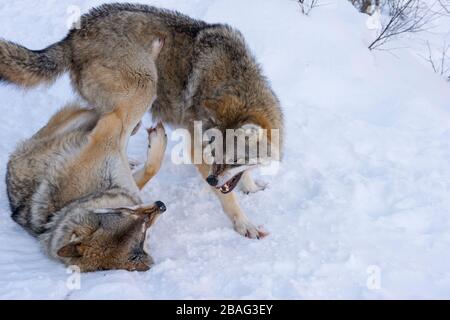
x=359 y=208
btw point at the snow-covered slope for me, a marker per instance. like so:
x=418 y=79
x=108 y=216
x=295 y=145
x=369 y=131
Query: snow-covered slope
x=359 y=209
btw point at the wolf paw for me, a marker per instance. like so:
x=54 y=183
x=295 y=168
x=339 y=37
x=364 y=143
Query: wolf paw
x=254 y=187
x=249 y=230
x=157 y=142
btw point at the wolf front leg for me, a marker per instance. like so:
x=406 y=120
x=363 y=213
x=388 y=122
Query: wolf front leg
x=157 y=143
x=231 y=207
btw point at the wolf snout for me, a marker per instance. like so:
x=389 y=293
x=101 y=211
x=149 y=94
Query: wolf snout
x=161 y=206
x=212 y=180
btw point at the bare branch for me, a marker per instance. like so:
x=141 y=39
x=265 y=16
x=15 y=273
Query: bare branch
x=405 y=16
x=306 y=6
x=439 y=65
x=445 y=4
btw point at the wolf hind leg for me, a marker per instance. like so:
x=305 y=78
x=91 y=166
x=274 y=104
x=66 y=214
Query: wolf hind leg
x=70 y=118
x=157 y=140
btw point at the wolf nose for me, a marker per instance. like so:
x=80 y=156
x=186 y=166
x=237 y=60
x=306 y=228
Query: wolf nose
x=161 y=206
x=212 y=180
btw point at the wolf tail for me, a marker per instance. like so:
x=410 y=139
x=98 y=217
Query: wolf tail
x=28 y=68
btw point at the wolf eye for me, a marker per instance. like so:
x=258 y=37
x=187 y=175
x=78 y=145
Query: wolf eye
x=135 y=257
x=137 y=250
x=213 y=138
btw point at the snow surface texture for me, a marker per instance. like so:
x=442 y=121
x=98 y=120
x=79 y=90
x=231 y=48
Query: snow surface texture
x=359 y=209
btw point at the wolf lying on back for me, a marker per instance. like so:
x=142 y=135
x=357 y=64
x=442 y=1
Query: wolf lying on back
x=206 y=73
x=71 y=185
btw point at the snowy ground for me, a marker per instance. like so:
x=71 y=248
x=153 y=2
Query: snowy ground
x=360 y=207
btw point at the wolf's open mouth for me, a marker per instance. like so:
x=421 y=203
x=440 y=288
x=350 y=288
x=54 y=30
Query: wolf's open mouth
x=230 y=184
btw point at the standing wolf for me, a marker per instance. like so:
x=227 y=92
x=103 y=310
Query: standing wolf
x=71 y=185
x=206 y=73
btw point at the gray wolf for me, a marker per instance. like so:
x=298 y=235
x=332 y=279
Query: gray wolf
x=206 y=73
x=71 y=186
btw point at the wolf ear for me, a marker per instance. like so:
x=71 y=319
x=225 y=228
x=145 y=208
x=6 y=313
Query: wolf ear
x=71 y=250
x=253 y=130
x=157 y=45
